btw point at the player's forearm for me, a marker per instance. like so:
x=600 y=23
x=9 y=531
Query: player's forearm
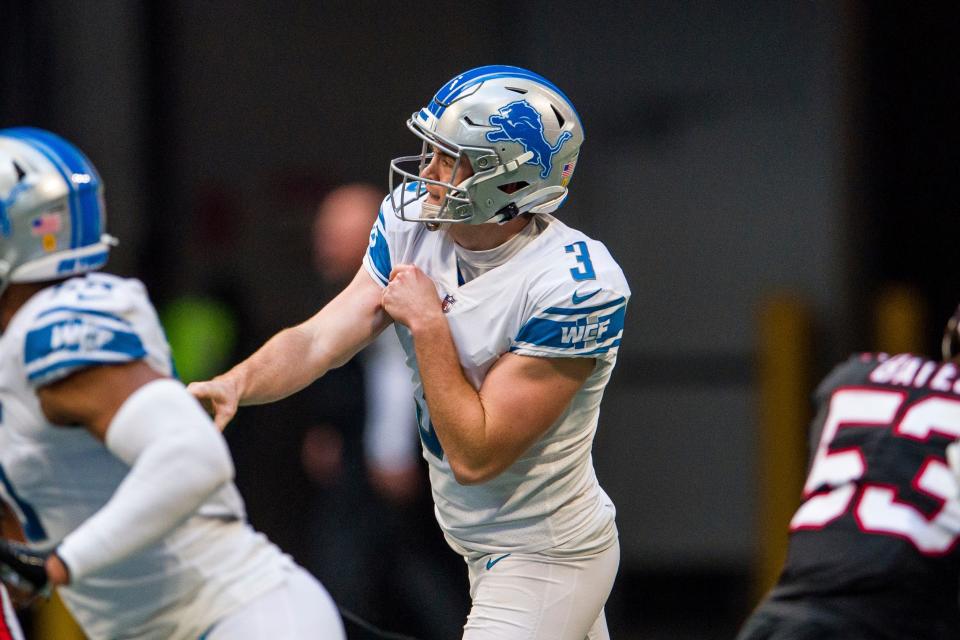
x=277 y=369
x=456 y=408
x=297 y=356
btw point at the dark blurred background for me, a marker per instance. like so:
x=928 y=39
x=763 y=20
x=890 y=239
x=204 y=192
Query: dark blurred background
x=778 y=180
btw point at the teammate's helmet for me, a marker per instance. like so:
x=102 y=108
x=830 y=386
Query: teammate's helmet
x=52 y=216
x=950 y=346
x=520 y=134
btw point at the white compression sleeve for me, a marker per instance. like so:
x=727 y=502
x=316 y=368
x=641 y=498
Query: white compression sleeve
x=177 y=459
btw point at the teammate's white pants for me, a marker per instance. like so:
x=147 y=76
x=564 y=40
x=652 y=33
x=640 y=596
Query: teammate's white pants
x=539 y=597
x=299 y=609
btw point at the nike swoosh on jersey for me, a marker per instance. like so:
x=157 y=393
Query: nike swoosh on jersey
x=577 y=299
x=493 y=561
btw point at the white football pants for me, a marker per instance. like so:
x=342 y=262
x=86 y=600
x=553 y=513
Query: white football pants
x=538 y=597
x=299 y=609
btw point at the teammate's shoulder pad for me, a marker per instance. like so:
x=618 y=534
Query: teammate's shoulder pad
x=80 y=323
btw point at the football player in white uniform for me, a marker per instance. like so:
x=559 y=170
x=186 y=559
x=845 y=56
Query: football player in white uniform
x=511 y=322
x=122 y=484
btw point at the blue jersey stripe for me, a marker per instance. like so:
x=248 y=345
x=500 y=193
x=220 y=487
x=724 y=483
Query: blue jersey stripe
x=89 y=312
x=68 y=366
x=380 y=278
x=571 y=334
x=77 y=336
x=379 y=253
x=578 y=354
x=87 y=263
x=564 y=311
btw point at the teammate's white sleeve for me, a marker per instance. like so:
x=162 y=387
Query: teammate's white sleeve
x=390 y=433
x=178 y=458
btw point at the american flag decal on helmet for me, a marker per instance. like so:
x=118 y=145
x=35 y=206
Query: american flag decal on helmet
x=46 y=223
x=567 y=172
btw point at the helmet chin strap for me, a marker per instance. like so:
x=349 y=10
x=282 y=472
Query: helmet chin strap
x=545 y=200
x=430 y=210
x=505 y=215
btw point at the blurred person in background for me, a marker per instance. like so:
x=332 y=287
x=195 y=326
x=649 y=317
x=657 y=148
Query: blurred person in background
x=361 y=454
x=341 y=229
x=873 y=549
x=121 y=484
x=511 y=322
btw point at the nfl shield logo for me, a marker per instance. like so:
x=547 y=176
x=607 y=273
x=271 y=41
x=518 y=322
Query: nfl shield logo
x=448 y=301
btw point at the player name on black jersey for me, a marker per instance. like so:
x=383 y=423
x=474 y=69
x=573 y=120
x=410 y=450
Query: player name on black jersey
x=908 y=370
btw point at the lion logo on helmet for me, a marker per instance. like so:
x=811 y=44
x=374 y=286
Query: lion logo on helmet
x=520 y=122
x=7 y=203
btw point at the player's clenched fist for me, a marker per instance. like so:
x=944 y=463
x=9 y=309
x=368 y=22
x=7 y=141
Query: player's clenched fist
x=219 y=398
x=411 y=297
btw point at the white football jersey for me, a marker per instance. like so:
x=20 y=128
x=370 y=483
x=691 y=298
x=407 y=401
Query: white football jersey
x=561 y=296
x=56 y=477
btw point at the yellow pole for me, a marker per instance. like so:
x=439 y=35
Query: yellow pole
x=51 y=620
x=784 y=365
x=899 y=320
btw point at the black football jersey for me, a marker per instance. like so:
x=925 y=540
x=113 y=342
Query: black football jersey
x=875 y=538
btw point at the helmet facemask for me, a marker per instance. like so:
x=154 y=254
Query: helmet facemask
x=455 y=205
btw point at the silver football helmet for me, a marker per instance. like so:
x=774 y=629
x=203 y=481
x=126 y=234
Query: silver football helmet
x=520 y=134
x=52 y=215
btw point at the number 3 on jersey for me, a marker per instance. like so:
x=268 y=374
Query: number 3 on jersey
x=879 y=508
x=584 y=270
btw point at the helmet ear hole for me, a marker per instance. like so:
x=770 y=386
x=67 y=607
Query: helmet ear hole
x=513 y=187
x=560 y=119
x=20 y=172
